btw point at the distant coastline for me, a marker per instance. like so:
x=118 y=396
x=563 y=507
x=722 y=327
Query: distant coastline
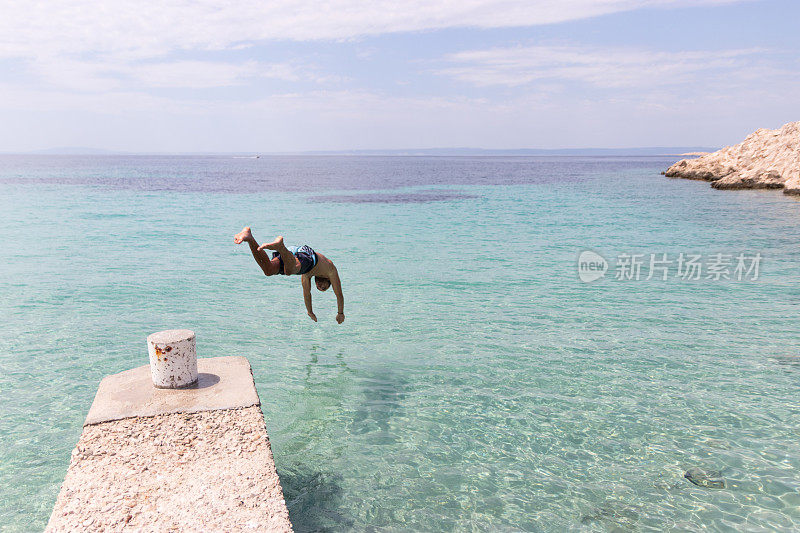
x=630 y=151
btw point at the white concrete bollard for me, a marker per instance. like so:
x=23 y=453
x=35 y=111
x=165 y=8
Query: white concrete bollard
x=173 y=361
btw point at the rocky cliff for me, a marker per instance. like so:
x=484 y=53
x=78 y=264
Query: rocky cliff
x=766 y=159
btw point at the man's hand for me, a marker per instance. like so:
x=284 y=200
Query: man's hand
x=312 y=315
x=339 y=318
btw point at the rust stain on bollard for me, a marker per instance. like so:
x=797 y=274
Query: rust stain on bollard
x=179 y=370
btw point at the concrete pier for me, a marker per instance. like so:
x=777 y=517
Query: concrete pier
x=193 y=459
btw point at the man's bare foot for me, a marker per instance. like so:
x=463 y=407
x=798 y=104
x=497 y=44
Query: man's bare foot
x=243 y=235
x=274 y=245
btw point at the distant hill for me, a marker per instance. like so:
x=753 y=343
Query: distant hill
x=74 y=150
x=641 y=151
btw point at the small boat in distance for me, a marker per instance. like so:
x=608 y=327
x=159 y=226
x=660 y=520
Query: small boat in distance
x=247 y=157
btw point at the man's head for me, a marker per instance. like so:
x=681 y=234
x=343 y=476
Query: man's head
x=322 y=283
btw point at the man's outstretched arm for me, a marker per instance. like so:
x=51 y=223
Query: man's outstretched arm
x=306 y=282
x=337 y=289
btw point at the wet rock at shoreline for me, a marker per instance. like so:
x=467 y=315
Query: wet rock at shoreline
x=766 y=159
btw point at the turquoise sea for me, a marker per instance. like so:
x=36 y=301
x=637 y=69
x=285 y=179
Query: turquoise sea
x=477 y=383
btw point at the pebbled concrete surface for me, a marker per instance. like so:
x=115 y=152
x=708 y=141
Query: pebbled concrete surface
x=207 y=471
x=223 y=383
x=174 y=460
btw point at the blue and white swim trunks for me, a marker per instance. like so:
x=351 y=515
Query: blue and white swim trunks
x=306 y=256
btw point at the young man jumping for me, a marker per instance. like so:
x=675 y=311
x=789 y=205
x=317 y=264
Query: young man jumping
x=300 y=260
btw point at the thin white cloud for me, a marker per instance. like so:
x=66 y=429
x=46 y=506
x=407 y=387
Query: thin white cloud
x=101 y=76
x=330 y=103
x=614 y=68
x=137 y=29
x=201 y=74
x=14 y=98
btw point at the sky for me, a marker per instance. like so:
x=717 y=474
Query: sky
x=286 y=76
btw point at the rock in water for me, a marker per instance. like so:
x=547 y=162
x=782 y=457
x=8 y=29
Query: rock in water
x=766 y=159
x=710 y=479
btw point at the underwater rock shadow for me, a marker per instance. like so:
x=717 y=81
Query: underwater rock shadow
x=787 y=362
x=613 y=515
x=314 y=499
x=393 y=198
x=384 y=392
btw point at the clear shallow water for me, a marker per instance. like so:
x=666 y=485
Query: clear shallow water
x=476 y=384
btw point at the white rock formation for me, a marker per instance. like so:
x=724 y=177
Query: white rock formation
x=766 y=159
